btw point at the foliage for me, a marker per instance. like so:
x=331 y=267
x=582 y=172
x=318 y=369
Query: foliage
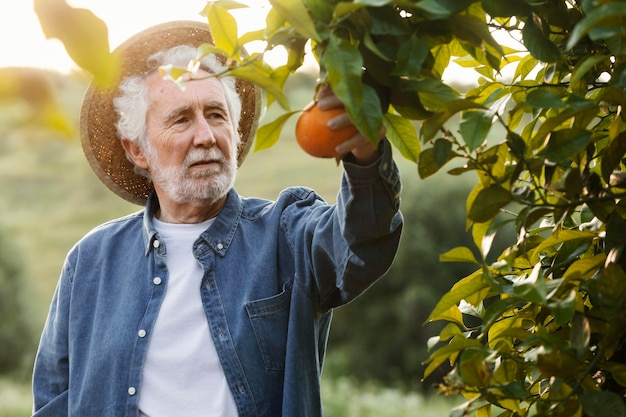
x=15 y=331
x=380 y=335
x=28 y=97
x=346 y=397
x=540 y=330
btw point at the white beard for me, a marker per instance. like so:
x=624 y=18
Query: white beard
x=203 y=187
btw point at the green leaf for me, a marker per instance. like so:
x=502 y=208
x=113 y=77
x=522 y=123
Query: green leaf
x=488 y=203
x=579 y=109
x=262 y=75
x=84 y=35
x=384 y=21
x=475 y=127
x=298 y=16
x=608 y=12
x=586 y=65
x=473 y=367
x=441 y=55
x=441 y=9
x=373 y=3
x=557 y=363
x=533 y=287
x=610 y=291
x=372 y=46
x=499 y=321
x=411 y=56
x=525 y=67
x=462 y=290
x=603 y=404
x=451 y=330
x=268 y=134
x=368 y=118
x=537 y=42
x=433 y=124
x=499 y=8
x=321 y=9
x=452 y=315
x=456 y=345
x=613 y=155
x=544 y=98
x=432 y=159
x=223 y=28
x=580 y=335
x=458 y=254
x=435 y=95
x=585 y=267
x=565 y=143
x=481 y=233
x=485 y=49
x=402 y=134
x=343 y=64
x=558 y=237
x=563 y=309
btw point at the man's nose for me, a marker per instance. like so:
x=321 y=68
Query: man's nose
x=203 y=133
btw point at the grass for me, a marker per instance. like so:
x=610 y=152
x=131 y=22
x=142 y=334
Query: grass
x=345 y=397
x=15 y=399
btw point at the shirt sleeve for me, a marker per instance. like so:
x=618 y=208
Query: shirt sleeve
x=51 y=368
x=353 y=243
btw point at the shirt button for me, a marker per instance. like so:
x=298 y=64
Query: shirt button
x=156 y=281
x=156 y=243
x=141 y=333
x=220 y=246
x=132 y=391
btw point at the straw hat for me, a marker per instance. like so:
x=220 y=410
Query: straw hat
x=99 y=137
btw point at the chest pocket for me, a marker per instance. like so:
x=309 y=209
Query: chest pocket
x=270 y=320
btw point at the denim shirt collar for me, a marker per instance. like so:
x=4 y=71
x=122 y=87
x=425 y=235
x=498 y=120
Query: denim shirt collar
x=222 y=231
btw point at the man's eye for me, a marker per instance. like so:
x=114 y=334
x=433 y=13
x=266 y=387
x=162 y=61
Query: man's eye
x=214 y=115
x=181 y=120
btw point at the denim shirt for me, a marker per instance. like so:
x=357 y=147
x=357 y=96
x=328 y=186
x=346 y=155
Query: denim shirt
x=273 y=272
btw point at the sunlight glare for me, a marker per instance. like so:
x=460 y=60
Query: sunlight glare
x=24 y=44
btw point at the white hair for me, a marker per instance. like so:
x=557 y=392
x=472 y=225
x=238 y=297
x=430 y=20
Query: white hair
x=132 y=103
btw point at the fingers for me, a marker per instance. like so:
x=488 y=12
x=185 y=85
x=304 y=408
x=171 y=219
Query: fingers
x=339 y=121
x=326 y=99
x=362 y=149
x=355 y=142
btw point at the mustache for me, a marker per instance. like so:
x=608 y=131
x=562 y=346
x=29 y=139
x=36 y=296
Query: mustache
x=203 y=155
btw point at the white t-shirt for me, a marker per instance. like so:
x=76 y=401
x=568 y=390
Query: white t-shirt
x=182 y=374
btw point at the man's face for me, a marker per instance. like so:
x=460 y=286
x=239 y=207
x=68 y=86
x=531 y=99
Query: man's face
x=190 y=150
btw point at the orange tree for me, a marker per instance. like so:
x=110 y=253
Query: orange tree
x=539 y=331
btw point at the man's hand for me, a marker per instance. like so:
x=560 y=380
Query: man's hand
x=361 y=148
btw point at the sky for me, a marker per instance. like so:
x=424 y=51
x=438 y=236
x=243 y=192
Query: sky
x=24 y=44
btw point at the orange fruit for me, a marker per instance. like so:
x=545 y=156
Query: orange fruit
x=315 y=137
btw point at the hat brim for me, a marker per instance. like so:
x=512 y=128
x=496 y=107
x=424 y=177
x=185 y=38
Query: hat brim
x=99 y=138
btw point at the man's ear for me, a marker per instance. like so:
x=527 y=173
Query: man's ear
x=135 y=153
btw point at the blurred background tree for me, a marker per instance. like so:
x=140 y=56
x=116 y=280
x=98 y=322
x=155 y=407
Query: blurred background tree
x=17 y=334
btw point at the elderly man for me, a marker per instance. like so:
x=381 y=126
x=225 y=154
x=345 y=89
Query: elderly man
x=205 y=303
